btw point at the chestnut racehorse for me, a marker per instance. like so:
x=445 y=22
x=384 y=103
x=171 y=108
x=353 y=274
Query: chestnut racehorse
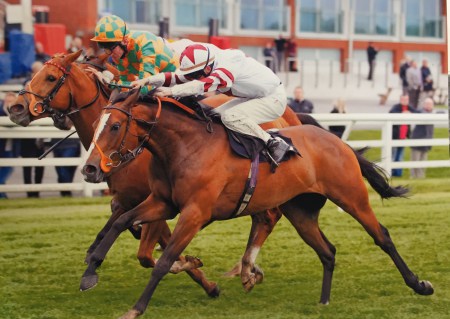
x=196 y=175
x=81 y=97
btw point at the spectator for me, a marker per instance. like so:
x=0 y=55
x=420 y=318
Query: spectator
x=402 y=73
x=339 y=107
x=69 y=148
x=426 y=131
x=280 y=45
x=292 y=54
x=414 y=79
x=427 y=79
x=371 y=56
x=40 y=54
x=77 y=45
x=270 y=57
x=7 y=146
x=299 y=104
x=400 y=132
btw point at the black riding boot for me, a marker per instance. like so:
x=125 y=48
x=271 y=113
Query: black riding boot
x=277 y=149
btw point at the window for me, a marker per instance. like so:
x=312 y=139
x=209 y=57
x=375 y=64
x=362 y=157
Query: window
x=197 y=13
x=264 y=15
x=136 y=11
x=423 y=18
x=374 y=17
x=321 y=16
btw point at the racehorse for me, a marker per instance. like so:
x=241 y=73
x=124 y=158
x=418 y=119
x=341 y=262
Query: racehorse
x=196 y=175
x=75 y=93
x=81 y=97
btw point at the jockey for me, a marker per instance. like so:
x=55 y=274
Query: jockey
x=137 y=54
x=260 y=96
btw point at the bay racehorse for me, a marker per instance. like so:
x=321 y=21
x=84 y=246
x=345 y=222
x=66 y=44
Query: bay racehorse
x=196 y=175
x=64 y=88
x=75 y=93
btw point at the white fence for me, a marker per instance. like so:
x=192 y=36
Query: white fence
x=44 y=129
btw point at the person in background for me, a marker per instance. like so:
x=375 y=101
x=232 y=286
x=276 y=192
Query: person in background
x=414 y=79
x=427 y=79
x=402 y=73
x=270 y=58
x=40 y=54
x=291 y=48
x=69 y=148
x=280 y=46
x=371 y=56
x=400 y=132
x=424 y=131
x=339 y=107
x=7 y=146
x=299 y=104
x=77 y=45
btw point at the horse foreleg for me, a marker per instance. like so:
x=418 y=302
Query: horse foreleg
x=159 y=210
x=116 y=211
x=262 y=226
x=150 y=235
x=188 y=225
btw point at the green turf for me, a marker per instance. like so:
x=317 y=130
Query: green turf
x=43 y=243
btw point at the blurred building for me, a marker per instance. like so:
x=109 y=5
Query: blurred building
x=336 y=30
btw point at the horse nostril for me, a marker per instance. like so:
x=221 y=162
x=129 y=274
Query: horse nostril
x=89 y=169
x=16 y=108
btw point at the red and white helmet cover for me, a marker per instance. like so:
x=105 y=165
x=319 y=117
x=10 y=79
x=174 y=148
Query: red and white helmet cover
x=195 y=58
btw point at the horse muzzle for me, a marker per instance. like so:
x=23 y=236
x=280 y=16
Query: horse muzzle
x=92 y=174
x=19 y=114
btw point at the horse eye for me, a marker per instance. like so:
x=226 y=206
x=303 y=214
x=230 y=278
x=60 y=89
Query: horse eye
x=51 y=78
x=115 y=127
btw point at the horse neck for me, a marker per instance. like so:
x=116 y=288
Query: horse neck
x=84 y=89
x=176 y=136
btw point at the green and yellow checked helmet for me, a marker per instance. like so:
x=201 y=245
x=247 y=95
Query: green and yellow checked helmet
x=110 y=29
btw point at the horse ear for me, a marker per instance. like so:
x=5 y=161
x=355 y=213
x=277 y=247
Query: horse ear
x=114 y=94
x=133 y=96
x=73 y=56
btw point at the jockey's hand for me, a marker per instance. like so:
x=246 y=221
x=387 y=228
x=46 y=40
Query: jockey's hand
x=163 y=91
x=139 y=83
x=102 y=77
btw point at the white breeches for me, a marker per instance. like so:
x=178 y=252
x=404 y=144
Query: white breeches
x=244 y=114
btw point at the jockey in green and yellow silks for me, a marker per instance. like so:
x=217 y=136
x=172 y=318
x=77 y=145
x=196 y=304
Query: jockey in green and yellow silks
x=137 y=54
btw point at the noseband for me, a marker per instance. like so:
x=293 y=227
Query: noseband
x=117 y=158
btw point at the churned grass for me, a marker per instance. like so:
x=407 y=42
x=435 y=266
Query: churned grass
x=43 y=244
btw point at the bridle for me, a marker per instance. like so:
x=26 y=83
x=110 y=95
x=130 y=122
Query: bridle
x=117 y=158
x=43 y=106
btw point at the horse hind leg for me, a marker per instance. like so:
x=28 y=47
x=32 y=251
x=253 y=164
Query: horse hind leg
x=363 y=213
x=262 y=225
x=303 y=212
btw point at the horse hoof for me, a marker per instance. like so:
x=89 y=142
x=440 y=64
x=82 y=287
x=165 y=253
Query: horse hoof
x=259 y=274
x=425 y=288
x=88 y=282
x=195 y=261
x=215 y=292
x=250 y=283
x=133 y=313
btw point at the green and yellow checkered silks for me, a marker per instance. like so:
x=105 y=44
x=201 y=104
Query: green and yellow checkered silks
x=109 y=29
x=147 y=55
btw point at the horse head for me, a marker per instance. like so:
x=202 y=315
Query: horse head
x=111 y=146
x=59 y=87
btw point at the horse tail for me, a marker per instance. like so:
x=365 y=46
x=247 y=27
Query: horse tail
x=307 y=119
x=378 y=179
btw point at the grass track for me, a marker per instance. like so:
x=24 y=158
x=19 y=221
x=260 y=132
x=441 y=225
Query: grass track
x=43 y=243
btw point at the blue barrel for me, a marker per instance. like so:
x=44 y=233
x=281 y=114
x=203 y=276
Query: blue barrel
x=5 y=67
x=22 y=52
